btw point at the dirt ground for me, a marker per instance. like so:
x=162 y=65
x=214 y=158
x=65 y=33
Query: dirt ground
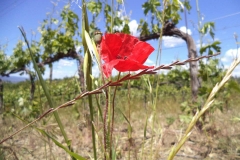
x=219 y=140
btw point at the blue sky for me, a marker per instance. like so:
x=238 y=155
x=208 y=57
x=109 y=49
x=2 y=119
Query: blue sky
x=30 y=14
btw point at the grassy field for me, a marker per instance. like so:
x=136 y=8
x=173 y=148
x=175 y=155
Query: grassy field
x=219 y=138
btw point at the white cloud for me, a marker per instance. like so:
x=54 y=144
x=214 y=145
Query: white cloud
x=62 y=68
x=173 y=41
x=185 y=30
x=57 y=73
x=78 y=48
x=230 y=55
x=149 y=62
x=95 y=71
x=133 y=25
x=65 y=63
x=228 y=58
x=118 y=28
x=198 y=44
x=236 y=71
x=114 y=72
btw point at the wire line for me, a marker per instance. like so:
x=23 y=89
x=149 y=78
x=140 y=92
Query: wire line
x=229 y=15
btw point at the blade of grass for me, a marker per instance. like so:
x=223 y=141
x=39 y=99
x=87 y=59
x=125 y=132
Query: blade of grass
x=54 y=140
x=145 y=128
x=144 y=136
x=92 y=48
x=72 y=154
x=99 y=108
x=114 y=155
x=129 y=131
x=205 y=107
x=46 y=92
x=125 y=117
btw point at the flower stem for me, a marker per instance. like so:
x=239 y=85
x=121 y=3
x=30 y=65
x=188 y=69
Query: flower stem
x=129 y=118
x=105 y=126
x=113 y=109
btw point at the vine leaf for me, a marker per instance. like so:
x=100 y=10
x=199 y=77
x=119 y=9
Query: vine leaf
x=215 y=46
x=150 y=6
x=94 y=7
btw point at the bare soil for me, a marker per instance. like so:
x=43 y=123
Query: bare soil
x=219 y=139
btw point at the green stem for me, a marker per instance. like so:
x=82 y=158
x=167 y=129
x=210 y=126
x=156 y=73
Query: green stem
x=105 y=126
x=113 y=113
x=93 y=130
x=109 y=122
x=129 y=118
x=89 y=88
x=88 y=72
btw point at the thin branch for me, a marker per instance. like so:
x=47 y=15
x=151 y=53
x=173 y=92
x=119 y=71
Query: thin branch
x=60 y=55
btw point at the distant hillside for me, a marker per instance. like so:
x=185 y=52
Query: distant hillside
x=13 y=79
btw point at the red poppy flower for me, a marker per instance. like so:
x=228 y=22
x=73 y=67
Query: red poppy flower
x=124 y=53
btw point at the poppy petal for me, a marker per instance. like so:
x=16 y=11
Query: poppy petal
x=141 y=51
x=108 y=67
x=124 y=53
x=110 y=47
x=129 y=65
x=128 y=43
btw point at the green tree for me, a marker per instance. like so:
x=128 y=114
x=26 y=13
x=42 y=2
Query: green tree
x=5 y=63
